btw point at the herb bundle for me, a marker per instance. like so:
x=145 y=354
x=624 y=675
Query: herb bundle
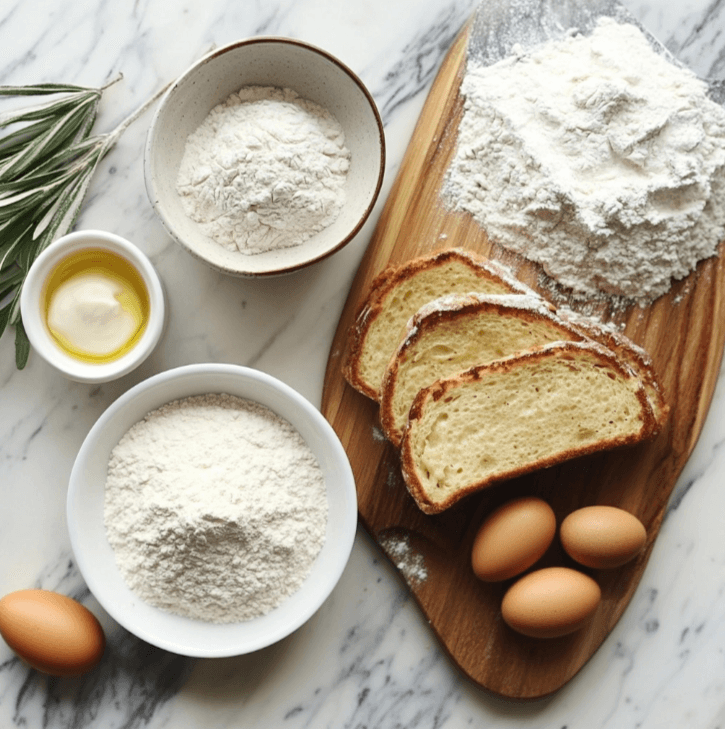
x=47 y=159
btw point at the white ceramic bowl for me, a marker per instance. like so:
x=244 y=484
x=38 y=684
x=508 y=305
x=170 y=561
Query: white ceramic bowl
x=95 y=557
x=33 y=314
x=284 y=63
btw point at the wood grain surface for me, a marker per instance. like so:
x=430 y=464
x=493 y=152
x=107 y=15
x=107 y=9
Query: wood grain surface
x=683 y=332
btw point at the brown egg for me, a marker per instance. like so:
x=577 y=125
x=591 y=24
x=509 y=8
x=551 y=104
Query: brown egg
x=51 y=632
x=512 y=538
x=602 y=536
x=550 y=602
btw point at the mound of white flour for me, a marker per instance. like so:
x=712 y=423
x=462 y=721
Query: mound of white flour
x=215 y=508
x=595 y=157
x=265 y=170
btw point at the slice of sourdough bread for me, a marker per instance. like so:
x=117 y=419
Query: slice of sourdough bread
x=398 y=292
x=456 y=332
x=516 y=415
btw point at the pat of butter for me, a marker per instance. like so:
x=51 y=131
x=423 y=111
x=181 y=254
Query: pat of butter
x=87 y=311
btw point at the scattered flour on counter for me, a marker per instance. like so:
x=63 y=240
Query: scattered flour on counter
x=215 y=508
x=265 y=170
x=595 y=157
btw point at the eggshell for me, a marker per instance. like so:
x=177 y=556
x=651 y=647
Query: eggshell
x=602 y=536
x=550 y=602
x=51 y=632
x=512 y=538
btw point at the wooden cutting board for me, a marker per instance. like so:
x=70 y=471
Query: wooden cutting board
x=684 y=333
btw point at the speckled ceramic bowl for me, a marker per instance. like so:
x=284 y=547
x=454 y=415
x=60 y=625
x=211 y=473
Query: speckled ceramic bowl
x=96 y=559
x=279 y=62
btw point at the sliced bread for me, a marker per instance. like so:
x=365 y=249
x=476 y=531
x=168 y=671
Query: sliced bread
x=398 y=292
x=458 y=331
x=632 y=354
x=517 y=415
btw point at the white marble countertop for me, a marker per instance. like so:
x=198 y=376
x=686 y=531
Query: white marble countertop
x=367 y=658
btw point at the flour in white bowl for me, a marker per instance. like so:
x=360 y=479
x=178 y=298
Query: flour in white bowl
x=215 y=508
x=265 y=170
x=595 y=157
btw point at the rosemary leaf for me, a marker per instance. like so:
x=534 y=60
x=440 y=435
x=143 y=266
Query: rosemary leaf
x=13 y=245
x=15 y=141
x=27 y=253
x=66 y=163
x=35 y=89
x=29 y=182
x=22 y=344
x=60 y=132
x=85 y=129
x=61 y=166
x=69 y=205
x=10 y=229
x=27 y=201
x=47 y=109
x=8 y=283
x=4 y=321
x=17 y=196
x=52 y=209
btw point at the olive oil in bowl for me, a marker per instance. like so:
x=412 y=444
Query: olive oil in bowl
x=96 y=305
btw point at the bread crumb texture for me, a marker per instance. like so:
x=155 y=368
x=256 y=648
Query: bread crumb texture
x=508 y=420
x=443 y=345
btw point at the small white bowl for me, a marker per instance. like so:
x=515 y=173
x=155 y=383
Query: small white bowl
x=95 y=557
x=34 y=316
x=283 y=63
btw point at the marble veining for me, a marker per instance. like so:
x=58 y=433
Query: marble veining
x=367 y=659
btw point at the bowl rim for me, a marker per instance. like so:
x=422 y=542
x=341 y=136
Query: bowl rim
x=173 y=88
x=343 y=547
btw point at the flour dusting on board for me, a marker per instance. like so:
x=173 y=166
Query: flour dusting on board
x=595 y=157
x=410 y=563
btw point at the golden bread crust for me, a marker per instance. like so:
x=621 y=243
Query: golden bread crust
x=382 y=289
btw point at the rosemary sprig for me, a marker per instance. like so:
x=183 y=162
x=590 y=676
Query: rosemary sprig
x=46 y=165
